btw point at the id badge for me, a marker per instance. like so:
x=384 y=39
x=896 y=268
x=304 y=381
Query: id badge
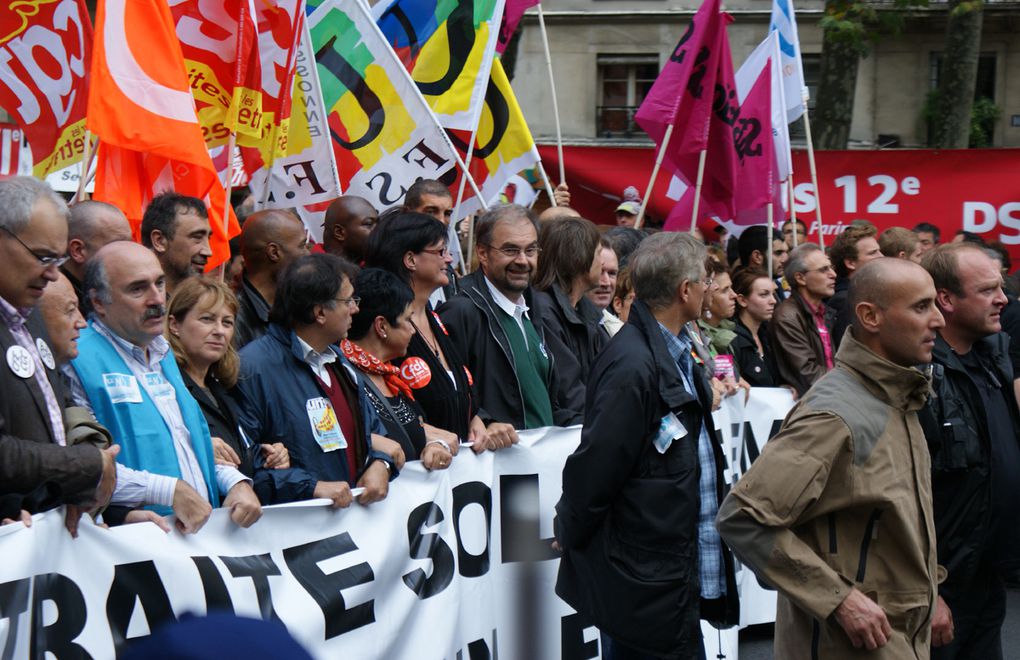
x=325 y=426
x=670 y=429
x=122 y=388
x=158 y=387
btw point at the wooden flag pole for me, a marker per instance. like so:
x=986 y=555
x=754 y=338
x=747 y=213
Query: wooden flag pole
x=467 y=164
x=793 y=212
x=552 y=88
x=814 y=175
x=230 y=180
x=87 y=156
x=697 y=190
x=466 y=266
x=770 y=216
x=655 y=172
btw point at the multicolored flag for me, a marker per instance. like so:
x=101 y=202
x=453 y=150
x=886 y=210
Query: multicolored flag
x=448 y=47
x=385 y=137
x=503 y=143
x=45 y=48
x=682 y=95
x=141 y=108
x=512 y=15
x=307 y=175
x=795 y=92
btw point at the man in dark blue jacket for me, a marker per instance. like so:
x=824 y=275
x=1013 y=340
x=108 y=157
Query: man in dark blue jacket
x=641 y=557
x=297 y=388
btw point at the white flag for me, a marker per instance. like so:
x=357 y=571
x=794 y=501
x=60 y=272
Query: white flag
x=784 y=22
x=767 y=51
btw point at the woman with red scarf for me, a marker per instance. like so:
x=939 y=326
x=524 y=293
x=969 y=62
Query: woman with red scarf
x=380 y=332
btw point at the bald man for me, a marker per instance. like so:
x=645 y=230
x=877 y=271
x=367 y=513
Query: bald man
x=558 y=213
x=349 y=221
x=90 y=226
x=270 y=240
x=836 y=513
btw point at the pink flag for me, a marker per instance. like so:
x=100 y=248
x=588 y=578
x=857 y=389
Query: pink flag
x=755 y=151
x=513 y=11
x=718 y=187
x=682 y=94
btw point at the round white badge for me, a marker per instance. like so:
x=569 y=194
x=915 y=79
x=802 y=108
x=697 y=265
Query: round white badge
x=45 y=354
x=20 y=361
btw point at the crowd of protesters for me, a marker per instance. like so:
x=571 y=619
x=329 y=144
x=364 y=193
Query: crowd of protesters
x=317 y=370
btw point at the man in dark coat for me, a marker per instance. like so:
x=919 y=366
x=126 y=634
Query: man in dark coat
x=641 y=557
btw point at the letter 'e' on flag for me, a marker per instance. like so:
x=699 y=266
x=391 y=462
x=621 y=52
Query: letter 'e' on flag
x=141 y=108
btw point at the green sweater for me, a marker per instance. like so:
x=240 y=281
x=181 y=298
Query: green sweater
x=531 y=363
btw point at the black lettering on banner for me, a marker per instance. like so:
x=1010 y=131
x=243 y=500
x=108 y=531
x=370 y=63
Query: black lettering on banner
x=138 y=581
x=309 y=176
x=58 y=637
x=679 y=52
x=326 y=588
x=519 y=534
x=426 y=153
x=397 y=12
x=724 y=104
x=13 y=603
x=572 y=643
x=216 y=595
x=460 y=37
x=384 y=189
x=428 y=546
x=472 y=492
x=694 y=84
x=329 y=59
x=479 y=649
x=258 y=568
x=499 y=110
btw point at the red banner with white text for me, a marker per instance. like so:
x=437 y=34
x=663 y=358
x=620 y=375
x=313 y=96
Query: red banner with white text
x=973 y=189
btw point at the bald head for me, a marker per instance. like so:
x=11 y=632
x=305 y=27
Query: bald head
x=127 y=288
x=349 y=221
x=271 y=239
x=59 y=309
x=558 y=213
x=90 y=226
x=894 y=310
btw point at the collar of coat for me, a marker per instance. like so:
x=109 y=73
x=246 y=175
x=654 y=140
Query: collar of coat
x=903 y=388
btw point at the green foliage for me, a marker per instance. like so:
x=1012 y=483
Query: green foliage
x=983 y=115
x=859 y=24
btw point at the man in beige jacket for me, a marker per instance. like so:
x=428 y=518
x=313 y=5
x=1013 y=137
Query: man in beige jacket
x=836 y=513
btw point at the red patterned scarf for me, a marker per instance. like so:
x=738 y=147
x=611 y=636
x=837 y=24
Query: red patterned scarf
x=369 y=363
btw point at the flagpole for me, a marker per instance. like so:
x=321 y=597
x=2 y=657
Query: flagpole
x=552 y=87
x=793 y=211
x=548 y=186
x=467 y=164
x=655 y=172
x=470 y=246
x=230 y=181
x=770 y=216
x=87 y=156
x=814 y=175
x=697 y=189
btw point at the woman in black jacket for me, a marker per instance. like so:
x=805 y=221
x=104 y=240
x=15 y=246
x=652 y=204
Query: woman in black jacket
x=756 y=301
x=200 y=329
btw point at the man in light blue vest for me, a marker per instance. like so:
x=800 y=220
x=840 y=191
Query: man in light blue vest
x=133 y=386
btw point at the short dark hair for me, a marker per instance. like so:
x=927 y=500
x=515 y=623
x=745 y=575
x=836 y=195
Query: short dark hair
x=314 y=279
x=928 y=228
x=943 y=264
x=161 y=214
x=845 y=246
x=382 y=294
x=752 y=239
x=624 y=241
x=422 y=187
x=400 y=233
x=486 y=223
x=568 y=247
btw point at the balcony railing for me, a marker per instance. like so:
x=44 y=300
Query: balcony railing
x=617 y=121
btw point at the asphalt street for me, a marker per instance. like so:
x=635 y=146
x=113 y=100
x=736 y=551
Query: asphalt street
x=756 y=642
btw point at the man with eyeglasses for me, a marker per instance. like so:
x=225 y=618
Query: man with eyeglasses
x=296 y=387
x=497 y=323
x=801 y=326
x=433 y=198
x=38 y=470
x=270 y=240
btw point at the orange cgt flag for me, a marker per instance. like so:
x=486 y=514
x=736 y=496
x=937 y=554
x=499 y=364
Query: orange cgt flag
x=141 y=108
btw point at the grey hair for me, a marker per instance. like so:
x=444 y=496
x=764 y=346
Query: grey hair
x=18 y=196
x=96 y=282
x=662 y=262
x=485 y=225
x=797 y=263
